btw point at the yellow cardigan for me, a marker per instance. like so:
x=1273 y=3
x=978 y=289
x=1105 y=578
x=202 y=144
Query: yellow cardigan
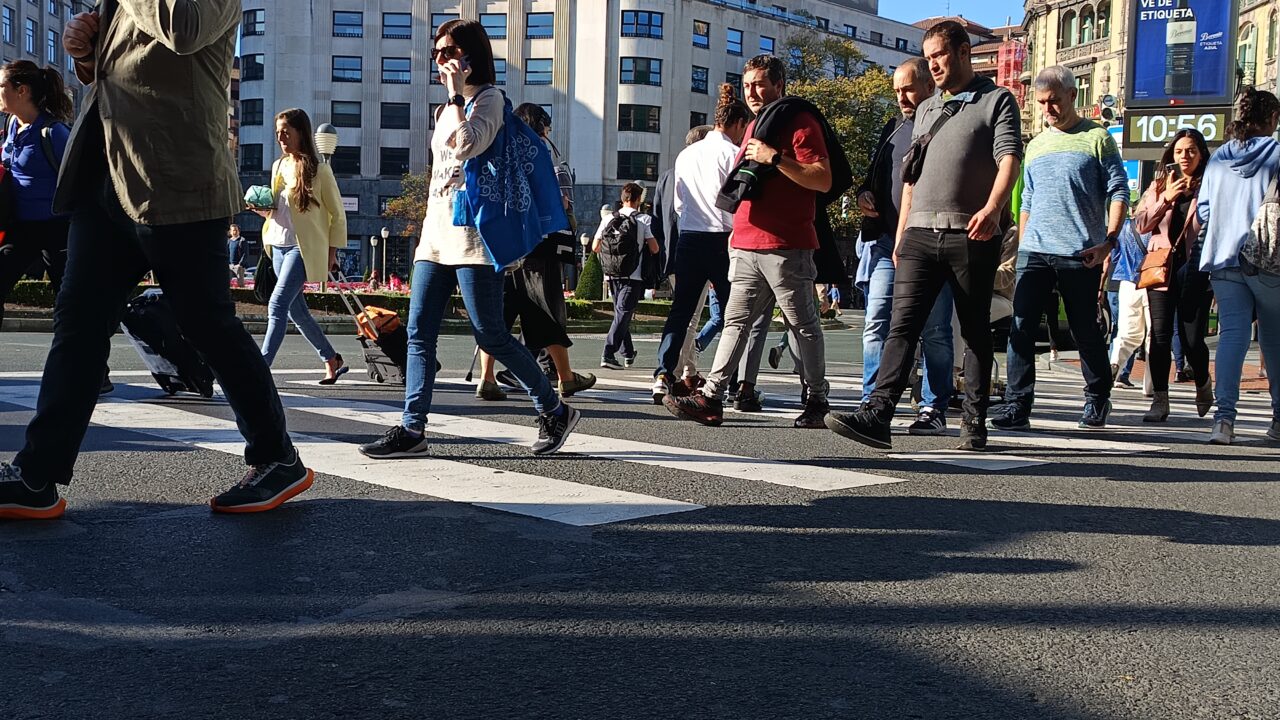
x=320 y=227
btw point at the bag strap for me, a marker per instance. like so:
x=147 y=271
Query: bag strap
x=46 y=144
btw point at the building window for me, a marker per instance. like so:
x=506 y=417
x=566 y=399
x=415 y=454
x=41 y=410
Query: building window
x=395 y=116
x=347 y=68
x=696 y=119
x=1084 y=94
x=393 y=162
x=30 y=39
x=395 y=71
x=71 y=64
x=253 y=22
x=6 y=24
x=699 y=80
x=433 y=111
x=346 y=160
x=1271 y=34
x=851 y=31
x=901 y=44
x=539 y=25
x=877 y=38
x=1067 y=29
x=641 y=71
x=823 y=23
x=547 y=109
x=345 y=113
x=252 y=67
x=797 y=58
x=537 y=71
x=53 y=8
x=1104 y=20
x=397 y=26
x=734 y=79
x=251 y=112
x=642 y=23
x=766 y=45
x=639 y=118
x=495 y=24
x=1086 y=25
x=733 y=40
x=251 y=158
x=701 y=34
x=438 y=19
x=499 y=71
x=347 y=23
x=637 y=165
x=51 y=48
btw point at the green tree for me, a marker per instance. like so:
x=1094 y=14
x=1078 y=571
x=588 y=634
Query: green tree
x=591 y=281
x=855 y=95
x=409 y=207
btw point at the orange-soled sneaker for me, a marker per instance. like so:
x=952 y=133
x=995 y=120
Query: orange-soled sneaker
x=265 y=487
x=18 y=501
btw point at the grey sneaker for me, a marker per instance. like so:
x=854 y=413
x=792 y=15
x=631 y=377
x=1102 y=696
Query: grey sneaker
x=265 y=487
x=554 y=429
x=1224 y=432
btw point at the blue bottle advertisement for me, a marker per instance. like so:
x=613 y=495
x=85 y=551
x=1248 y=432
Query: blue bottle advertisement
x=1181 y=49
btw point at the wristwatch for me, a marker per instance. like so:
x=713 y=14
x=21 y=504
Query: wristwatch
x=458 y=100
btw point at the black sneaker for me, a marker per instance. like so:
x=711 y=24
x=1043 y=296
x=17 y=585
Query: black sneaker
x=265 y=487
x=1095 y=414
x=973 y=435
x=508 y=378
x=814 y=416
x=554 y=429
x=775 y=356
x=1009 y=417
x=610 y=362
x=863 y=426
x=928 y=422
x=696 y=407
x=18 y=501
x=396 y=443
x=748 y=399
x=628 y=360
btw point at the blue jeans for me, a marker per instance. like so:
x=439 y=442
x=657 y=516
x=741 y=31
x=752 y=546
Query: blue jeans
x=938 y=385
x=107 y=255
x=714 y=324
x=481 y=288
x=701 y=257
x=1113 y=299
x=1038 y=275
x=1240 y=298
x=287 y=303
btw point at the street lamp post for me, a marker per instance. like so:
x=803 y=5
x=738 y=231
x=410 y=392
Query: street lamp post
x=373 y=260
x=385 y=234
x=326 y=141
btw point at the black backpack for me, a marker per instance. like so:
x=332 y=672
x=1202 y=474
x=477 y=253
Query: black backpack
x=620 y=246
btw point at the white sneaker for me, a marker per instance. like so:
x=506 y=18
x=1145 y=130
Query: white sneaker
x=1224 y=432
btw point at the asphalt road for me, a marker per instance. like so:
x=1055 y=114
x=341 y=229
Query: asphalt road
x=767 y=572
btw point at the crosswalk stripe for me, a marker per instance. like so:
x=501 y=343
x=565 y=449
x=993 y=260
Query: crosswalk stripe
x=519 y=493
x=976 y=461
x=774 y=472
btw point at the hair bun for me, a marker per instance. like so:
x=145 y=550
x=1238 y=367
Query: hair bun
x=728 y=95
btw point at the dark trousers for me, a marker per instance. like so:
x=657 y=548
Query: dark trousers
x=107 y=255
x=1189 y=296
x=927 y=259
x=25 y=244
x=1078 y=286
x=626 y=293
x=701 y=258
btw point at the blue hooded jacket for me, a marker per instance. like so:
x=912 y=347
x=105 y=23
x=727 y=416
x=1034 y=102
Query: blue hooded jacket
x=1231 y=193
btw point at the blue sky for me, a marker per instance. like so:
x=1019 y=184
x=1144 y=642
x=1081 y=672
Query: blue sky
x=991 y=13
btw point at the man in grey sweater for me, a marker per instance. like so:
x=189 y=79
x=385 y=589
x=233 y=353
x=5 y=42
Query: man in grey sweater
x=952 y=218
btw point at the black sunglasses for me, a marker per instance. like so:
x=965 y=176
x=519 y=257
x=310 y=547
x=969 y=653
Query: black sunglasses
x=448 y=51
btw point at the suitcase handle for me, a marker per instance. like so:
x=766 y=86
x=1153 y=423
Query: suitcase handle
x=339 y=280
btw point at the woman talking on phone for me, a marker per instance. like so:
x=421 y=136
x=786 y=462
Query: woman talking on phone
x=1168 y=212
x=452 y=256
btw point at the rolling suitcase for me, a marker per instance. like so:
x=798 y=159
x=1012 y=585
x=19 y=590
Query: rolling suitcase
x=382 y=335
x=152 y=329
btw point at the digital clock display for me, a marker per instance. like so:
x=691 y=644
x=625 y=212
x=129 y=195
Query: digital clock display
x=1152 y=127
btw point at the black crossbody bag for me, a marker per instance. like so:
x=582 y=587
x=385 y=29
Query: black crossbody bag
x=913 y=162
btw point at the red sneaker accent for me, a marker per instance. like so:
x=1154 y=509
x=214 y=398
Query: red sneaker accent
x=289 y=493
x=20 y=512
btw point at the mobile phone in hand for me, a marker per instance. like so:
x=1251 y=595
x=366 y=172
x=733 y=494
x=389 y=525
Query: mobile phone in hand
x=1173 y=170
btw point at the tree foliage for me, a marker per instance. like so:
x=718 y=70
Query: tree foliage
x=855 y=95
x=409 y=207
x=591 y=280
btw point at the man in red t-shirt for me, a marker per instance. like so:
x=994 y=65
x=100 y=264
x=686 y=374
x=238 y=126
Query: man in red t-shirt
x=772 y=247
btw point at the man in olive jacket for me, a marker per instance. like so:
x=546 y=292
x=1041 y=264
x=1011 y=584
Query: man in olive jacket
x=150 y=183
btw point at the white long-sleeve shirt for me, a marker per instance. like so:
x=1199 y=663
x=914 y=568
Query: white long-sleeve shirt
x=700 y=171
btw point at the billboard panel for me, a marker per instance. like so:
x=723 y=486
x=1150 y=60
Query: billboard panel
x=1181 y=52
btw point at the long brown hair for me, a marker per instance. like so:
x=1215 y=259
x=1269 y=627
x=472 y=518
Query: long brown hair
x=1167 y=158
x=306 y=160
x=48 y=93
x=1254 y=109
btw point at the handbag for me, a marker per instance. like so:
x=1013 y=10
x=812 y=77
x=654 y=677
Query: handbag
x=1154 y=271
x=264 y=278
x=913 y=162
x=1260 y=252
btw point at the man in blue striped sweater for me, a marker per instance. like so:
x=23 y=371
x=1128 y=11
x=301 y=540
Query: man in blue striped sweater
x=1074 y=198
